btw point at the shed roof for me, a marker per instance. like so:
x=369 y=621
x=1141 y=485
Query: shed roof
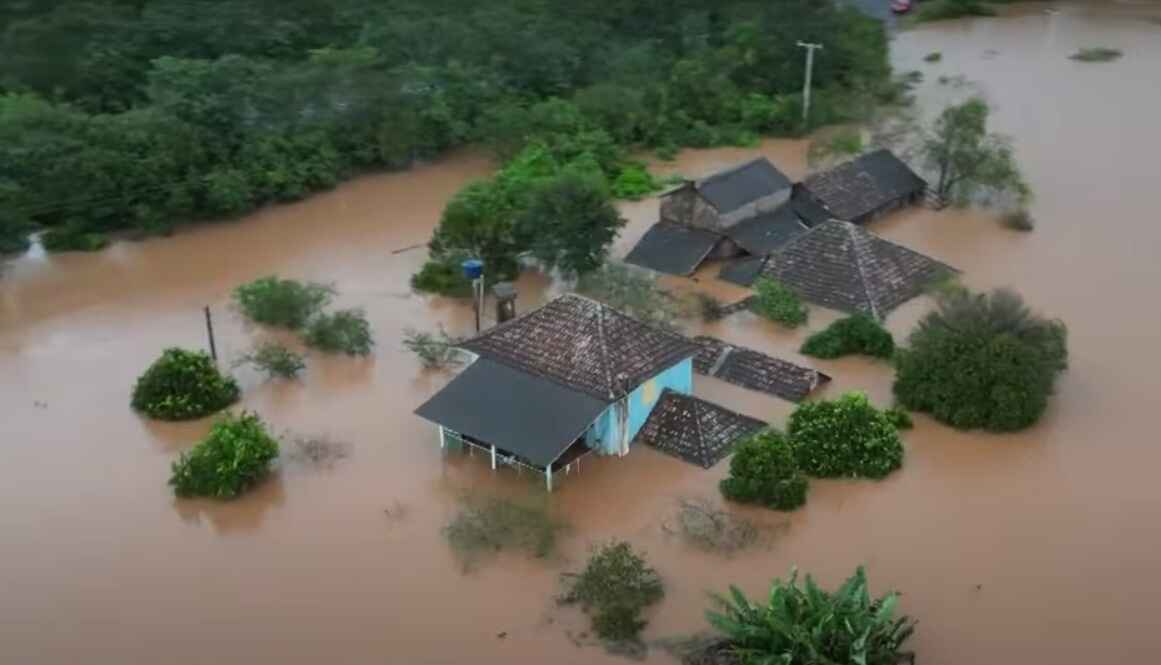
x=693 y=429
x=808 y=210
x=845 y=267
x=672 y=248
x=755 y=370
x=853 y=189
x=522 y=413
x=584 y=345
x=736 y=186
x=767 y=232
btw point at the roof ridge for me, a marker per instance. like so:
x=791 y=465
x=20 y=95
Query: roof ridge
x=728 y=171
x=697 y=426
x=603 y=349
x=856 y=234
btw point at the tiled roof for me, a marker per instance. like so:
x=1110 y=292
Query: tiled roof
x=845 y=267
x=862 y=185
x=767 y=232
x=672 y=248
x=583 y=344
x=755 y=370
x=693 y=429
x=734 y=187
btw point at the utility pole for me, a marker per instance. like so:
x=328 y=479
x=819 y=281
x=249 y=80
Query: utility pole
x=210 y=333
x=810 y=48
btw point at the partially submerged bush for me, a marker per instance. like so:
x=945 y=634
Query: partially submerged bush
x=764 y=470
x=73 y=238
x=934 y=56
x=319 y=451
x=487 y=525
x=614 y=588
x=711 y=529
x=778 y=303
x=182 y=385
x=847 y=437
x=233 y=457
x=981 y=361
x=1098 y=54
x=942 y=10
x=708 y=307
x=809 y=626
x=435 y=350
x=445 y=278
x=275 y=360
x=345 y=331
x=632 y=291
x=1018 y=220
x=634 y=182
x=856 y=334
x=899 y=418
x=285 y=303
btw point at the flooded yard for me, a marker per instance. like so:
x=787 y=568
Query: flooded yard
x=1037 y=547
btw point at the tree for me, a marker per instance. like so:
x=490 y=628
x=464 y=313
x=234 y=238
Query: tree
x=632 y=291
x=763 y=470
x=806 y=625
x=570 y=223
x=968 y=160
x=981 y=361
x=234 y=456
x=858 y=333
x=616 y=586
x=845 y=438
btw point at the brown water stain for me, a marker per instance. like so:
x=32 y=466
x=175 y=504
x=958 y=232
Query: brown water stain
x=1033 y=548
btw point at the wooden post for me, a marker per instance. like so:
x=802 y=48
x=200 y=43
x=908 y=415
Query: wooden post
x=210 y=332
x=548 y=476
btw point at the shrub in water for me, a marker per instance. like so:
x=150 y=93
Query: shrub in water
x=235 y=455
x=809 y=626
x=778 y=303
x=847 y=437
x=275 y=360
x=445 y=278
x=614 y=588
x=1099 y=54
x=1018 y=220
x=764 y=470
x=345 y=331
x=181 y=385
x=634 y=182
x=981 y=361
x=285 y=303
x=899 y=418
x=490 y=525
x=854 y=334
x=73 y=238
x=435 y=350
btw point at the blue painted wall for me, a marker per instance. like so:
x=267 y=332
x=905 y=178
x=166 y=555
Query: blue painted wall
x=615 y=428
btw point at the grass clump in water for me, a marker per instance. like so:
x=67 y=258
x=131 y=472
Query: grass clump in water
x=275 y=360
x=934 y=56
x=345 y=331
x=614 y=588
x=1098 y=54
x=943 y=10
x=710 y=529
x=489 y=525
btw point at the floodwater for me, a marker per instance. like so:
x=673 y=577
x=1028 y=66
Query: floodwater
x=1037 y=547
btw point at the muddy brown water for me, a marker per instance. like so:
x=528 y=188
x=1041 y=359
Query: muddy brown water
x=1038 y=547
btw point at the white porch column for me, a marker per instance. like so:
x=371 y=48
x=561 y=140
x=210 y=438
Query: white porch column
x=442 y=438
x=493 y=458
x=548 y=476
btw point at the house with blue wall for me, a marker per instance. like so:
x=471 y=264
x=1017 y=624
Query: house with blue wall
x=571 y=378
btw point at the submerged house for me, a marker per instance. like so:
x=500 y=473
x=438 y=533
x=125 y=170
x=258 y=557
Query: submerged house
x=548 y=387
x=862 y=189
x=843 y=266
x=745 y=209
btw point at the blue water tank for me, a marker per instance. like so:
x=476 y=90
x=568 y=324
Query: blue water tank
x=473 y=268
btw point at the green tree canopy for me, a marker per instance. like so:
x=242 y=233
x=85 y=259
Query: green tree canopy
x=969 y=160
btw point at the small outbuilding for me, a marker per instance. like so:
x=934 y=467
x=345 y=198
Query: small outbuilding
x=553 y=385
x=694 y=430
x=864 y=188
x=721 y=200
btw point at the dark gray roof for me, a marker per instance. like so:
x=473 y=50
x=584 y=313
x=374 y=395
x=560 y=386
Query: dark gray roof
x=755 y=370
x=530 y=416
x=853 y=189
x=674 y=249
x=767 y=232
x=584 y=345
x=743 y=271
x=808 y=210
x=734 y=187
x=845 y=267
x=693 y=429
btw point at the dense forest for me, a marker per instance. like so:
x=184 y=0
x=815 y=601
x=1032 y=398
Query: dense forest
x=137 y=115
